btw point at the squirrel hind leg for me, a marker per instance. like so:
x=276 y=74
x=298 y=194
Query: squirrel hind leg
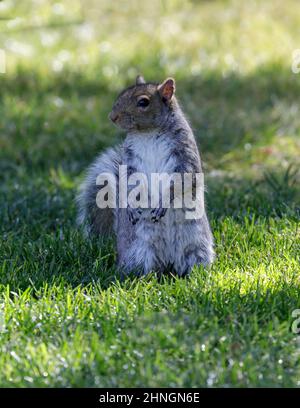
x=134 y=256
x=193 y=257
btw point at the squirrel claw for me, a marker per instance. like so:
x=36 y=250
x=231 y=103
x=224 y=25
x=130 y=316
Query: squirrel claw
x=157 y=214
x=134 y=214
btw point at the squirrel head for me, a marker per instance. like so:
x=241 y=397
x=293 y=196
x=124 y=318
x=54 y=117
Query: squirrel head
x=144 y=106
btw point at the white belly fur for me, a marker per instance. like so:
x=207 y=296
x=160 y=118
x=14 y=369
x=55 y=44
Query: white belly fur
x=153 y=155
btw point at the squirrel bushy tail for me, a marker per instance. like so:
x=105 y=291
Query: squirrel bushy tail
x=94 y=220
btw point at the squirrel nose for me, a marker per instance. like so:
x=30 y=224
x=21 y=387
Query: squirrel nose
x=113 y=116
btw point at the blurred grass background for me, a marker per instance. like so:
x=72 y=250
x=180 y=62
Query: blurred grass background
x=65 y=63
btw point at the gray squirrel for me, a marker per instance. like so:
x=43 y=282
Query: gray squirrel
x=159 y=140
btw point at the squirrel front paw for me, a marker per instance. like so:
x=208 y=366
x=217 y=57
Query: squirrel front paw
x=157 y=213
x=134 y=214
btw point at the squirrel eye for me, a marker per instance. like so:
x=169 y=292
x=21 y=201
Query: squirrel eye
x=143 y=102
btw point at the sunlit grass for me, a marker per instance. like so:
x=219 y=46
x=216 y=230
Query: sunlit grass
x=65 y=319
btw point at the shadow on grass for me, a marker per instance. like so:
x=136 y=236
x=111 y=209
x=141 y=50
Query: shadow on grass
x=275 y=194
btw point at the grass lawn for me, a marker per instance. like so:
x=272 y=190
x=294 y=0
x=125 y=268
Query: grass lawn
x=65 y=320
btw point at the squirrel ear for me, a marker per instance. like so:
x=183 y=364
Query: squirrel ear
x=140 y=80
x=167 y=89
